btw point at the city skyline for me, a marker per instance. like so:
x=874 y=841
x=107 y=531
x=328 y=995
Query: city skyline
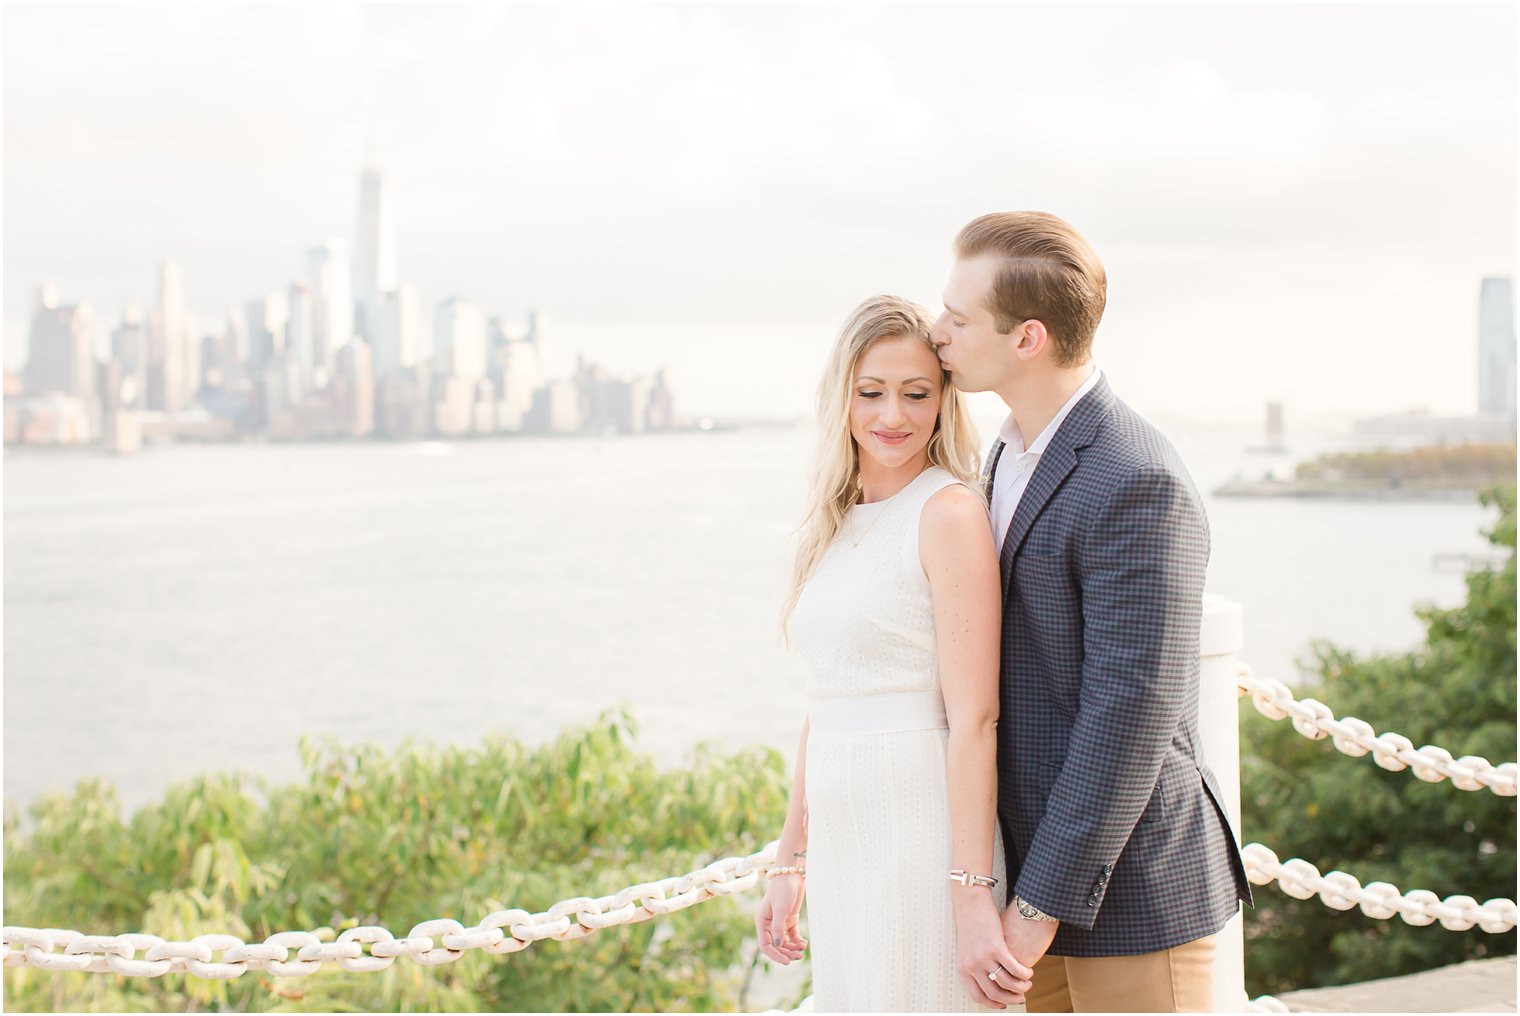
x=1267 y=237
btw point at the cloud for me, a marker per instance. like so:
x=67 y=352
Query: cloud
x=660 y=164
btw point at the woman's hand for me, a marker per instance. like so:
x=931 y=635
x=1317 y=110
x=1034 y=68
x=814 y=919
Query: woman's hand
x=981 y=949
x=776 y=920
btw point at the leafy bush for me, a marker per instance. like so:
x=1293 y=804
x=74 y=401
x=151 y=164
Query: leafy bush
x=1304 y=799
x=396 y=838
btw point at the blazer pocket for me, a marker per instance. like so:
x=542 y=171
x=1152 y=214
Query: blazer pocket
x=1048 y=583
x=1049 y=773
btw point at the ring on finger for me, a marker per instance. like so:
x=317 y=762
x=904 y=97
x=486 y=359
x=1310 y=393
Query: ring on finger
x=992 y=974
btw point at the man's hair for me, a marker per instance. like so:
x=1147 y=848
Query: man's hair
x=1049 y=273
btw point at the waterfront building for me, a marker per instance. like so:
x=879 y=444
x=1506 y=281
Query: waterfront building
x=354 y=389
x=521 y=375
x=398 y=339
x=51 y=419
x=454 y=408
x=661 y=415
x=459 y=341
x=280 y=390
x=300 y=332
x=332 y=305
x=61 y=355
x=266 y=321
x=556 y=409
x=173 y=358
x=627 y=403
x=1496 y=348
x=225 y=358
x=374 y=270
x=129 y=352
x=402 y=401
x=483 y=413
x=538 y=335
x=213 y=361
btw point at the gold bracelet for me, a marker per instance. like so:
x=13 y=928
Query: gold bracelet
x=789 y=869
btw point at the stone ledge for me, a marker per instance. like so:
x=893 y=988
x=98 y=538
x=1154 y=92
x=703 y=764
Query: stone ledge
x=1474 y=986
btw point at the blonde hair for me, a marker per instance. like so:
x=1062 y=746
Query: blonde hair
x=835 y=484
x=1050 y=273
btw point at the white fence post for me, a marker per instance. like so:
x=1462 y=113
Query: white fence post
x=1220 y=643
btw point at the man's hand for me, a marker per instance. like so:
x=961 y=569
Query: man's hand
x=980 y=950
x=1027 y=939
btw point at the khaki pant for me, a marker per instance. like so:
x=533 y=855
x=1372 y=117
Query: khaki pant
x=1179 y=979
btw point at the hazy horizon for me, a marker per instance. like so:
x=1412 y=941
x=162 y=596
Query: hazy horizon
x=711 y=189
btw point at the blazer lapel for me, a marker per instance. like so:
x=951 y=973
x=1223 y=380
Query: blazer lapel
x=1058 y=460
x=992 y=461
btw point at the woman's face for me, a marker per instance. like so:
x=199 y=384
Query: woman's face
x=894 y=400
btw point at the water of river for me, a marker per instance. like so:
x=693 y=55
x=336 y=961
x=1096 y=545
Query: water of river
x=198 y=608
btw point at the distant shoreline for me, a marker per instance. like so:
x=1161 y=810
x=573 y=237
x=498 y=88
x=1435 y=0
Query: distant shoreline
x=1442 y=473
x=1348 y=492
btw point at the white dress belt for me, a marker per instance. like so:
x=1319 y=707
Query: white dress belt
x=877 y=714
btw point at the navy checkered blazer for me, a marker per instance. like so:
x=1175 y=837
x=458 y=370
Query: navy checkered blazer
x=1111 y=819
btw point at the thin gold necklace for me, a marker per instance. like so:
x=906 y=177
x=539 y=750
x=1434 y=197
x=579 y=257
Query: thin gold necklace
x=879 y=514
x=883 y=502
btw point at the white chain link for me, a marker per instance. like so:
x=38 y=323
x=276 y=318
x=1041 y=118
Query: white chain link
x=1356 y=738
x=430 y=943
x=1341 y=891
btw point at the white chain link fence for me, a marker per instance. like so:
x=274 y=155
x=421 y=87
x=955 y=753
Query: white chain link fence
x=1356 y=738
x=370 y=948
x=445 y=940
x=1342 y=891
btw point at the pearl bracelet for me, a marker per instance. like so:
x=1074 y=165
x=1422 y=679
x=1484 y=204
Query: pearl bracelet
x=789 y=869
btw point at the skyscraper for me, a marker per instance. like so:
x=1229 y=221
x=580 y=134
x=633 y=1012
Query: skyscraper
x=374 y=251
x=266 y=321
x=1496 y=348
x=538 y=323
x=398 y=337
x=129 y=349
x=332 y=304
x=61 y=357
x=173 y=362
x=459 y=341
x=299 y=332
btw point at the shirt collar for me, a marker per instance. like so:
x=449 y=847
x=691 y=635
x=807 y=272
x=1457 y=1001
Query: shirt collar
x=1014 y=438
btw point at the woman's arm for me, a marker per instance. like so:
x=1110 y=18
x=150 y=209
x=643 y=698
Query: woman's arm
x=792 y=849
x=960 y=560
x=776 y=920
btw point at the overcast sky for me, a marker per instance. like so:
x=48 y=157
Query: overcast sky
x=1293 y=202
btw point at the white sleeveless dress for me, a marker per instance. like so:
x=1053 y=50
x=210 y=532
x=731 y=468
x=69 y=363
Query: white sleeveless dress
x=880 y=924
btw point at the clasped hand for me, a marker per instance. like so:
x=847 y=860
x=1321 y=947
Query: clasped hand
x=982 y=949
x=776 y=920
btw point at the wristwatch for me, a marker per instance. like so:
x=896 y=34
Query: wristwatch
x=1029 y=912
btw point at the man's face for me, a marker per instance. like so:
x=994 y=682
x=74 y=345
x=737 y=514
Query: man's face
x=977 y=357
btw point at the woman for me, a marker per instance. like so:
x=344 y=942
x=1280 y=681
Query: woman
x=895 y=608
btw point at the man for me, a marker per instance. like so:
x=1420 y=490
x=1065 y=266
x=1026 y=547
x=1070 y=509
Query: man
x=1122 y=866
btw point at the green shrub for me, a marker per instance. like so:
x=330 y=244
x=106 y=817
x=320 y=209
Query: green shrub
x=1304 y=799
x=396 y=838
